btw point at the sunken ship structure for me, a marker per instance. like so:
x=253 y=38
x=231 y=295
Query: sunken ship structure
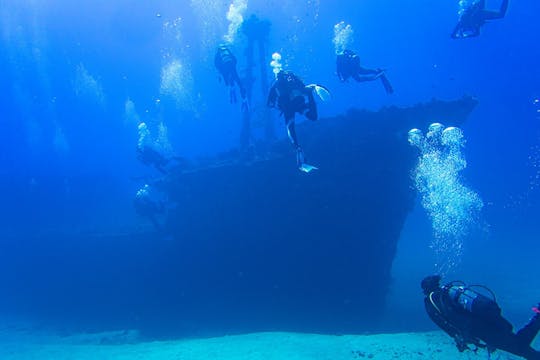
x=250 y=245
x=268 y=244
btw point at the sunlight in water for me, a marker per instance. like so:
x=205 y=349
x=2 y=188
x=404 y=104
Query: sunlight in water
x=172 y=31
x=130 y=113
x=60 y=142
x=343 y=36
x=87 y=87
x=451 y=206
x=176 y=82
x=210 y=20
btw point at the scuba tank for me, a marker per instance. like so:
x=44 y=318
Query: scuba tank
x=465 y=298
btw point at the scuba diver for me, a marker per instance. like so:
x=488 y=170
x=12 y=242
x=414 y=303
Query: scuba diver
x=150 y=157
x=474 y=16
x=348 y=65
x=475 y=321
x=146 y=207
x=148 y=153
x=225 y=62
x=291 y=96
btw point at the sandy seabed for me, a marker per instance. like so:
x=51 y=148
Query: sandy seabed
x=256 y=346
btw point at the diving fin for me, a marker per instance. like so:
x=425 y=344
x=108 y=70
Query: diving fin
x=386 y=83
x=302 y=166
x=322 y=92
x=307 y=168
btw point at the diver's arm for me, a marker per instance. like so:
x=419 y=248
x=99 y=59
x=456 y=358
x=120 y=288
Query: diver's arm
x=218 y=63
x=160 y=168
x=433 y=304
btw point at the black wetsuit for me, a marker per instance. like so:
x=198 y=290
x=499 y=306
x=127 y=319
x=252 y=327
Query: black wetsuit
x=151 y=157
x=474 y=17
x=225 y=62
x=482 y=325
x=289 y=94
x=348 y=65
x=149 y=209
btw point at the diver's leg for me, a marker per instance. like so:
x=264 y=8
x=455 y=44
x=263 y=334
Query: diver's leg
x=311 y=112
x=291 y=130
x=386 y=83
x=155 y=223
x=504 y=8
x=160 y=168
x=529 y=331
x=232 y=95
x=238 y=82
x=359 y=78
x=365 y=71
x=493 y=15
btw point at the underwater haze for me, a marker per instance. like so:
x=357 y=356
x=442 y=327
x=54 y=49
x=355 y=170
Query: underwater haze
x=137 y=195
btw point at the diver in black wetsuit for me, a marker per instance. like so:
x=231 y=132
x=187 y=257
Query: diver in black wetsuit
x=225 y=62
x=291 y=96
x=474 y=17
x=146 y=207
x=148 y=156
x=348 y=65
x=475 y=319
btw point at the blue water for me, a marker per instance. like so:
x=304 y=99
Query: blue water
x=67 y=144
